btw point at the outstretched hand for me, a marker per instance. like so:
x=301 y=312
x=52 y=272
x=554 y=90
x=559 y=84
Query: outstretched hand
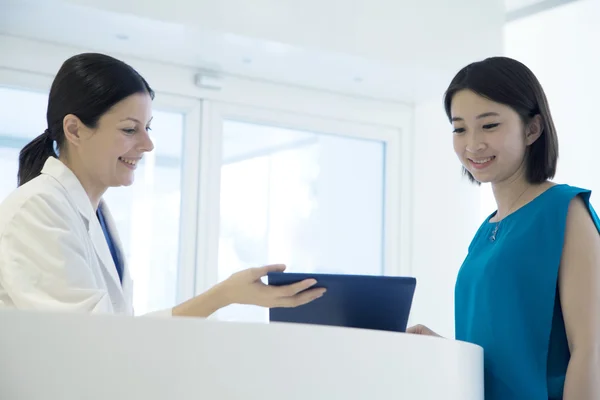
x=246 y=287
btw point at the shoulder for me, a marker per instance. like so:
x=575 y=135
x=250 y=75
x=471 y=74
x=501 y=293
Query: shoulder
x=38 y=223
x=41 y=199
x=578 y=203
x=581 y=217
x=553 y=201
x=567 y=192
x=581 y=223
x=579 y=276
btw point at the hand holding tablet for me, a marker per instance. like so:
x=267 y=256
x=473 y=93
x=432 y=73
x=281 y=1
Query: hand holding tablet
x=246 y=287
x=357 y=301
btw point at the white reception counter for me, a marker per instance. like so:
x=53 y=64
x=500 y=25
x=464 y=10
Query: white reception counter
x=83 y=357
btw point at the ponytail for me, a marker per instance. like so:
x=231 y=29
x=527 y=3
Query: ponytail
x=86 y=86
x=33 y=157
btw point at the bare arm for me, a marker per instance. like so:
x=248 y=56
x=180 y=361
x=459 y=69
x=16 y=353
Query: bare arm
x=246 y=287
x=579 y=287
x=202 y=305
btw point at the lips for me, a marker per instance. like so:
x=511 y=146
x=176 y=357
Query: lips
x=481 y=162
x=129 y=162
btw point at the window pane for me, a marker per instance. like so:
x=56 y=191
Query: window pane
x=147 y=216
x=311 y=201
x=23 y=113
x=22 y=118
x=9 y=165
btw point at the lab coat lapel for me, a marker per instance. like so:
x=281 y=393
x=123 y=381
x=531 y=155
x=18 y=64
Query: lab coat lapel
x=67 y=178
x=112 y=228
x=103 y=251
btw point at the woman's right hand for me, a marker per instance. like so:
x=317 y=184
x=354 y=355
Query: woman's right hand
x=421 y=330
x=246 y=287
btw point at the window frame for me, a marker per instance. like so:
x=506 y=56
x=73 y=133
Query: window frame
x=396 y=246
x=204 y=112
x=191 y=109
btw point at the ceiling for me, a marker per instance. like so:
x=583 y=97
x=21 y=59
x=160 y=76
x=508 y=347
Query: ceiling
x=513 y=5
x=402 y=50
x=518 y=9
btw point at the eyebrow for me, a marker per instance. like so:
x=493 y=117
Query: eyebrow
x=135 y=120
x=487 y=114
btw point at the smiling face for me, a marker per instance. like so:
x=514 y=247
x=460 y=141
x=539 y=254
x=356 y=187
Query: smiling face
x=107 y=155
x=490 y=139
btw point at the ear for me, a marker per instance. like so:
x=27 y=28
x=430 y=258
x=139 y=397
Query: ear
x=533 y=130
x=72 y=126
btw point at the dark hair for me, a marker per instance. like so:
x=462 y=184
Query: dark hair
x=87 y=86
x=509 y=82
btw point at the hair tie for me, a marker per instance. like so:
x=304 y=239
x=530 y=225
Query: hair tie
x=48 y=140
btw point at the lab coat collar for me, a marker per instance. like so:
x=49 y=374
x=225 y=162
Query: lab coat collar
x=59 y=171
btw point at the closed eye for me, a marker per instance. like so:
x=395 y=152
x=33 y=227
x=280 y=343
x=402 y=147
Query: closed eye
x=459 y=130
x=490 y=126
x=129 y=131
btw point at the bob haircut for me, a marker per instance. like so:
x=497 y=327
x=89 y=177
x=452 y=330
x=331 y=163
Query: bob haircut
x=509 y=82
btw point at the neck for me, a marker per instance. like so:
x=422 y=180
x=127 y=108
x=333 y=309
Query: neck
x=509 y=193
x=93 y=191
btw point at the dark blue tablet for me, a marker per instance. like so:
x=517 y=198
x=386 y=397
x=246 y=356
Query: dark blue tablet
x=357 y=301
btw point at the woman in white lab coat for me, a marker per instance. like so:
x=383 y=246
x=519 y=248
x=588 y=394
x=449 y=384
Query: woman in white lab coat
x=59 y=249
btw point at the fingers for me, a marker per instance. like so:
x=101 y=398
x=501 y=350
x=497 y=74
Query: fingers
x=297 y=294
x=417 y=329
x=421 y=330
x=292 y=295
x=259 y=272
x=293 y=289
x=301 y=298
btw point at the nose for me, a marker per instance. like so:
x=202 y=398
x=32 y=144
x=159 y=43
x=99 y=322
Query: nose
x=475 y=142
x=146 y=144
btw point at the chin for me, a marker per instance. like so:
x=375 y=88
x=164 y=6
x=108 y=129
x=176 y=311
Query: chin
x=483 y=179
x=479 y=177
x=126 y=179
x=127 y=183
x=123 y=181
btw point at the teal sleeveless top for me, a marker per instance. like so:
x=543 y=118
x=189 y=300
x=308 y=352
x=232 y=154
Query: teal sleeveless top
x=506 y=298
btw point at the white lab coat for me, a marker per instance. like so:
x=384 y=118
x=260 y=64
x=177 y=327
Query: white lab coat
x=53 y=252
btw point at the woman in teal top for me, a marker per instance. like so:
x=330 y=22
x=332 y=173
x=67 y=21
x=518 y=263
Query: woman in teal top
x=528 y=291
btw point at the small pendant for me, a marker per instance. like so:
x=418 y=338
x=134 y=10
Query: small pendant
x=494 y=232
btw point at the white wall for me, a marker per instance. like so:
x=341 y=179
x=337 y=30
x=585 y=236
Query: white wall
x=445 y=218
x=561 y=47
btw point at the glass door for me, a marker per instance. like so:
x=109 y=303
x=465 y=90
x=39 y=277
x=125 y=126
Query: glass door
x=307 y=193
